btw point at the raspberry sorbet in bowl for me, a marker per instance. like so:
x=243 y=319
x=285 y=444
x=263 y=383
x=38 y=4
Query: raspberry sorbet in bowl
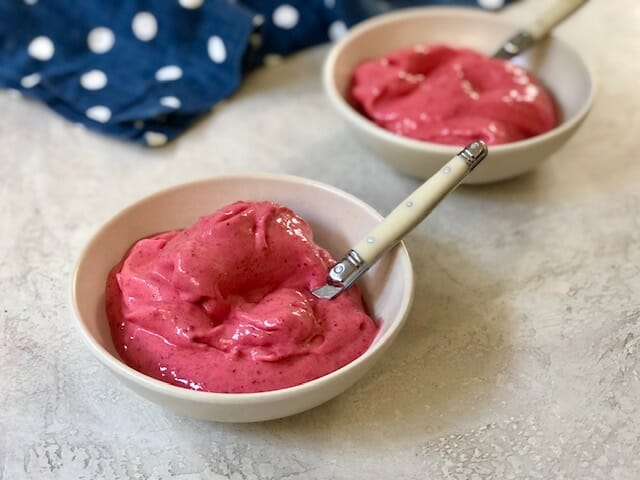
x=225 y=305
x=180 y=289
x=415 y=85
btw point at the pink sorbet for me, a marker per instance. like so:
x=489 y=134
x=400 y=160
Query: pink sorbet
x=226 y=305
x=452 y=96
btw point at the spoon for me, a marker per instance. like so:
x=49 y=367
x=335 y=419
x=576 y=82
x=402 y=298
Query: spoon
x=404 y=218
x=524 y=39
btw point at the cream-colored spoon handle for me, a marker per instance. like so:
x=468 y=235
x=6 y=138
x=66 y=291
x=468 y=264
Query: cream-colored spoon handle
x=558 y=11
x=400 y=221
x=419 y=204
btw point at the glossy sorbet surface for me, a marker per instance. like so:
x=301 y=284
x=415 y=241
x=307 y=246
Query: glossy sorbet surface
x=452 y=96
x=225 y=305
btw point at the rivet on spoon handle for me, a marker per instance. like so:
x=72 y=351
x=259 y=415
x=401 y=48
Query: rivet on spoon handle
x=401 y=220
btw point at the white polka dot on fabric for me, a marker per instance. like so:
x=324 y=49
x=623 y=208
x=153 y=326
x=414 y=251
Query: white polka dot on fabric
x=30 y=81
x=171 y=102
x=285 y=16
x=30 y=2
x=491 y=4
x=190 y=4
x=155 y=139
x=41 y=48
x=329 y=3
x=258 y=20
x=337 y=30
x=93 y=80
x=100 y=40
x=144 y=26
x=99 y=113
x=169 y=73
x=217 y=50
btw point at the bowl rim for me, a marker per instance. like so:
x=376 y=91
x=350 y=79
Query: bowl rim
x=160 y=387
x=372 y=128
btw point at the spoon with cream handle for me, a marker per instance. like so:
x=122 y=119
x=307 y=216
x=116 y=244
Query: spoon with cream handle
x=524 y=39
x=404 y=218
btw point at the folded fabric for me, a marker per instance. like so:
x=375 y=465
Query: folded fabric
x=145 y=70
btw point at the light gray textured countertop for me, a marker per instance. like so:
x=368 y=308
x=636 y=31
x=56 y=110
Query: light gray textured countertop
x=520 y=358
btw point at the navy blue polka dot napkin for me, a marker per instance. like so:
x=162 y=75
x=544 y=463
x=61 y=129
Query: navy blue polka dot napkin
x=144 y=70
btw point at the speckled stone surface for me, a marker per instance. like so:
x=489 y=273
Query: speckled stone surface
x=520 y=358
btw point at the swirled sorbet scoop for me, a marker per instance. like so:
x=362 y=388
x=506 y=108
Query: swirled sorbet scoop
x=452 y=96
x=225 y=305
